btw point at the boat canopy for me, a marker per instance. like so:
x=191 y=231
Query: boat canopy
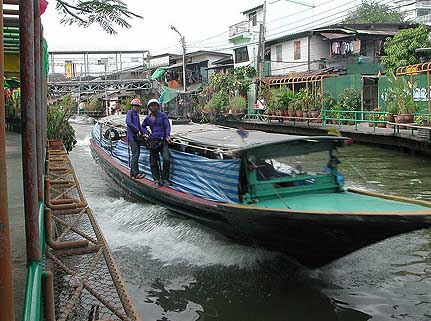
x=211 y=179
x=226 y=140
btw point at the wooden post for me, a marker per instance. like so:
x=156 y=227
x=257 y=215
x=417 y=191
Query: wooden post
x=6 y=286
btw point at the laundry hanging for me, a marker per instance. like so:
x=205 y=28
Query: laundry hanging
x=341 y=47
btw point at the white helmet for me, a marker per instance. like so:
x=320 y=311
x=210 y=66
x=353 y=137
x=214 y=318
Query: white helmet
x=151 y=101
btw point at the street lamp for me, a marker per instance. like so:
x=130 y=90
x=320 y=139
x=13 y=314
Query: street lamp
x=105 y=61
x=183 y=45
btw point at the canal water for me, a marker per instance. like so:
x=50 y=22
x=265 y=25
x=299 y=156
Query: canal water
x=176 y=269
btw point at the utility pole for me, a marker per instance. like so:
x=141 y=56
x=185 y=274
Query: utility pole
x=183 y=45
x=261 y=47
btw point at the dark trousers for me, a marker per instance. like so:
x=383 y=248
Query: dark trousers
x=155 y=162
x=135 y=149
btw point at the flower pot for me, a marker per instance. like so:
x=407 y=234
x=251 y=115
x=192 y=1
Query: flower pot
x=381 y=125
x=391 y=118
x=299 y=113
x=55 y=144
x=405 y=118
x=291 y=113
x=399 y=119
x=315 y=114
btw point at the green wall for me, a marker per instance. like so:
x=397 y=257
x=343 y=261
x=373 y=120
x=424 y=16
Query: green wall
x=364 y=68
x=336 y=85
x=420 y=93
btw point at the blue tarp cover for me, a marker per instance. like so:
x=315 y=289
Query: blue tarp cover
x=212 y=179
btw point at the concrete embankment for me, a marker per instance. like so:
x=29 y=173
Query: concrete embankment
x=386 y=137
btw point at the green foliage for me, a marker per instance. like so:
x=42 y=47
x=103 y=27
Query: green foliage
x=13 y=110
x=350 y=99
x=281 y=98
x=399 y=98
x=58 y=126
x=237 y=79
x=400 y=50
x=421 y=119
x=217 y=102
x=106 y=13
x=371 y=11
x=125 y=104
x=306 y=99
x=237 y=103
x=94 y=105
x=328 y=101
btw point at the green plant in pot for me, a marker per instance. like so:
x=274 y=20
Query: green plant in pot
x=59 y=129
x=216 y=105
x=291 y=108
x=382 y=118
x=237 y=104
x=350 y=100
x=400 y=95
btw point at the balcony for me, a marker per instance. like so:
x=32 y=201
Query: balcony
x=239 y=28
x=424 y=19
x=423 y=4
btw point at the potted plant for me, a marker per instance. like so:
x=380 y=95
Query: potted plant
x=382 y=121
x=400 y=95
x=59 y=131
x=350 y=100
x=291 y=109
x=314 y=110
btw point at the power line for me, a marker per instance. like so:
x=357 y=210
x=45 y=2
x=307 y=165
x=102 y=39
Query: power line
x=348 y=10
x=319 y=21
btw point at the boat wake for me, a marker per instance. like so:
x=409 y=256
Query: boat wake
x=81 y=120
x=83 y=142
x=171 y=239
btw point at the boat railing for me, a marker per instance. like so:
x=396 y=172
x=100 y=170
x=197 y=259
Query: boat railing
x=280 y=187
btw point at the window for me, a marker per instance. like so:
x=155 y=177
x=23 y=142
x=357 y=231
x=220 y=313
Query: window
x=241 y=55
x=279 y=53
x=252 y=17
x=297 y=50
x=422 y=12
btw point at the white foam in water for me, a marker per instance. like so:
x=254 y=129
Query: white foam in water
x=168 y=239
x=83 y=142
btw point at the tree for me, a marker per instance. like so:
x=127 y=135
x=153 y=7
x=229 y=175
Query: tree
x=106 y=13
x=370 y=11
x=400 y=50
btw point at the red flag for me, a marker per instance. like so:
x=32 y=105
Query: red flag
x=42 y=6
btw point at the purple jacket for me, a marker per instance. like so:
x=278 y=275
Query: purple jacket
x=133 y=124
x=160 y=128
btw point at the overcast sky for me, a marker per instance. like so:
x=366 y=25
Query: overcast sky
x=195 y=19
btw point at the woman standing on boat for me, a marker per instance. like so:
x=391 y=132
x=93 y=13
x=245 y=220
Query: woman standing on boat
x=133 y=131
x=158 y=142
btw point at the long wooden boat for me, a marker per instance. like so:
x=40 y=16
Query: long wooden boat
x=288 y=195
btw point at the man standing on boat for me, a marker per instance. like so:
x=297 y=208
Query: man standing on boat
x=133 y=131
x=158 y=141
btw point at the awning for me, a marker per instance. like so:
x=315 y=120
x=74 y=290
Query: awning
x=11 y=83
x=378 y=32
x=194 y=87
x=158 y=73
x=331 y=35
x=180 y=64
x=167 y=95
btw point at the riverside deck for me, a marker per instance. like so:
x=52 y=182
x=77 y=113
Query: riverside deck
x=87 y=283
x=404 y=139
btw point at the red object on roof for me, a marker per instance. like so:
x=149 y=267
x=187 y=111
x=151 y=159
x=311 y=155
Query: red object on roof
x=42 y=6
